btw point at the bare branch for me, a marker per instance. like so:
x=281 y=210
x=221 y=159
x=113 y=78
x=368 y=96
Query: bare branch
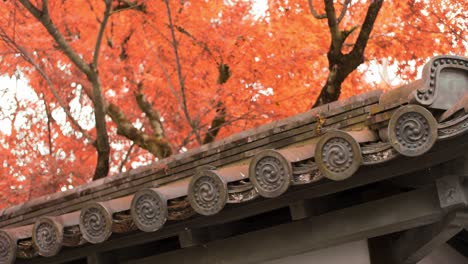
x=152 y=114
x=91 y=7
x=229 y=120
x=123 y=46
x=165 y=71
x=49 y=121
x=337 y=39
x=44 y=18
x=366 y=28
x=314 y=12
x=192 y=124
x=102 y=139
x=202 y=44
x=124 y=5
x=216 y=124
x=185 y=141
x=341 y=65
x=443 y=22
x=101 y=32
x=158 y=31
x=343 y=11
x=224 y=73
x=31 y=8
x=127 y=155
x=28 y=58
x=45 y=8
x=158 y=147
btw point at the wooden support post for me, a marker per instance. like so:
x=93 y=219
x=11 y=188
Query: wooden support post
x=100 y=258
x=415 y=244
x=302 y=209
x=193 y=237
x=379 y=249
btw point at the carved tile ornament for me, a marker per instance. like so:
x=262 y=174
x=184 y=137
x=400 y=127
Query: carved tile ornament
x=7 y=248
x=412 y=130
x=207 y=192
x=271 y=173
x=445 y=82
x=96 y=223
x=47 y=237
x=338 y=155
x=149 y=210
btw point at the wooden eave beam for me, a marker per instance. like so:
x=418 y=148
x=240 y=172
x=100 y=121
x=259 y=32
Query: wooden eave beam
x=396 y=213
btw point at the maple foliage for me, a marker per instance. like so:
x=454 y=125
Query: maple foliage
x=176 y=74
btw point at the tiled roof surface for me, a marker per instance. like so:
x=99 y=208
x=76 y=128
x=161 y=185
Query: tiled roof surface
x=327 y=143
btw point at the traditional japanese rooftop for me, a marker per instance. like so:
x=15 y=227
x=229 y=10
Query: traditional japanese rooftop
x=318 y=149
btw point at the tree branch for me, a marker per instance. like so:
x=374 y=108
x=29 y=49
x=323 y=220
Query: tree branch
x=158 y=147
x=341 y=65
x=218 y=121
x=28 y=58
x=165 y=72
x=45 y=6
x=202 y=44
x=32 y=8
x=124 y=5
x=49 y=129
x=100 y=35
x=152 y=114
x=337 y=39
x=185 y=141
x=314 y=12
x=44 y=18
x=443 y=22
x=102 y=139
x=366 y=29
x=343 y=11
x=127 y=155
x=179 y=75
x=224 y=73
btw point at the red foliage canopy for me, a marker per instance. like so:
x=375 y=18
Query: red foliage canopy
x=176 y=74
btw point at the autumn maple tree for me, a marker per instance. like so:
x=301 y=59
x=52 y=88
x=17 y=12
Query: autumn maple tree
x=102 y=86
